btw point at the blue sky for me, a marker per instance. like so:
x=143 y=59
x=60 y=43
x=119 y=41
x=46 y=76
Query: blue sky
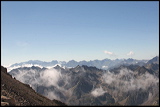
x=78 y=30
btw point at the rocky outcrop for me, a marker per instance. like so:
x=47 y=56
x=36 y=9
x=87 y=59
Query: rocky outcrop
x=7 y=101
x=3 y=69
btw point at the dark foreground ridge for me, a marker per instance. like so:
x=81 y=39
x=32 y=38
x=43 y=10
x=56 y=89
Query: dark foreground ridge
x=15 y=93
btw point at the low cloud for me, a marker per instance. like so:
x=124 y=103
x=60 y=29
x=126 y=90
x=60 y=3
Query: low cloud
x=104 y=67
x=51 y=94
x=98 y=92
x=130 y=53
x=49 y=78
x=126 y=80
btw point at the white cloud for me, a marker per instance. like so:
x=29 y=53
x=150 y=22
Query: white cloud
x=130 y=53
x=50 y=77
x=130 y=82
x=51 y=95
x=107 y=52
x=47 y=78
x=98 y=92
x=105 y=67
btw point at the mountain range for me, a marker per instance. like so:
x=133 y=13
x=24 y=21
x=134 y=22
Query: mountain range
x=126 y=84
x=101 y=64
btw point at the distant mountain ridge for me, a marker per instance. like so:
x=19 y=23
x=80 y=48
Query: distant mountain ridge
x=101 y=64
x=154 y=60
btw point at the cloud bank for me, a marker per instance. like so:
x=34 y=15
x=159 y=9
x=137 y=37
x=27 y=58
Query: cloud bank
x=126 y=80
x=49 y=78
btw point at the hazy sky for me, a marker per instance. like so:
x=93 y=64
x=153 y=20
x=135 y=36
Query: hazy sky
x=78 y=30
